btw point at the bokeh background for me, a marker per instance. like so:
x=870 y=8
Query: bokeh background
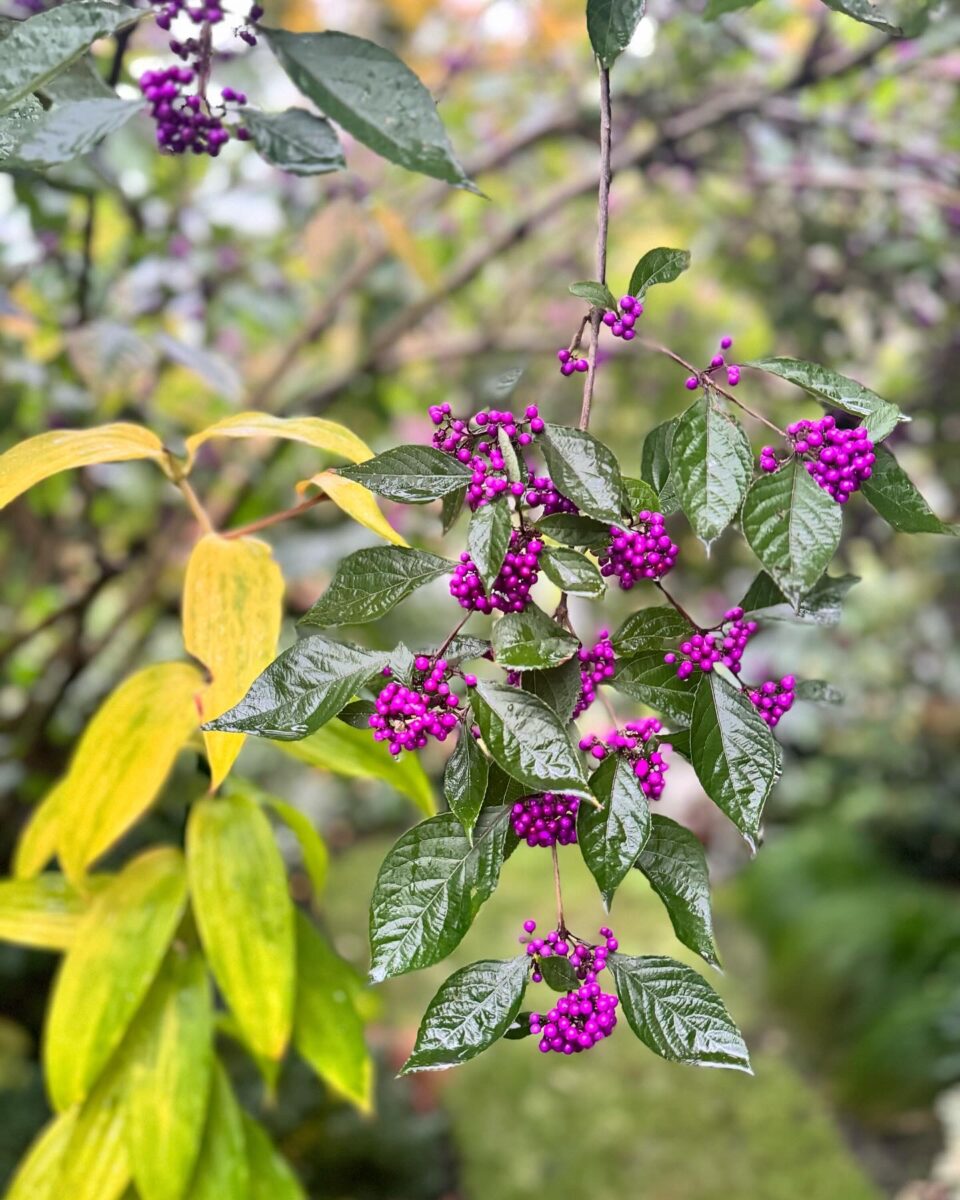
x=812 y=169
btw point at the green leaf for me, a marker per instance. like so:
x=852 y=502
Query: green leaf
x=661 y=265
x=72 y=129
x=295 y=140
x=837 y=391
x=451 y=506
x=571 y=572
x=558 y=974
x=793 y=527
x=465 y=780
x=893 y=495
x=710 y=466
x=368 y=583
x=497 y=388
x=716 y=8
x=611 y=24
x=316 y=857
x=676 y=1013
x=16 y=124
x=584 y=470
x=733 y=753
x=596 y=294
x=674 y=862
x=502 y=789
x=819 y=691
x=44 y=45
x=353 y=753
x=528 y=740
x=116 y=953
x=518 y=1029
x=822 y=605
x=410 y=474
x=222 y=1172
x=640 y=495
x=647 y=678
x=80 y=81
x=465 y=648
x=473 y=1009
x=527 y=640
x=655 y=465
x=559 y=687
x=866 y=13
x=429 y=889
x=168 y=1084
x=611 y=837
x=95 y=1163
x=373 y=95
x=651 y=629
x=238 y=887
x=328 y=1031
x=38 y=1172
x=301 y=689
x=488 y=537
x=271 y=1177
x=570 y=529
x=510 y=460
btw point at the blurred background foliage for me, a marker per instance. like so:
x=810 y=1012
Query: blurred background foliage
x=812 y=168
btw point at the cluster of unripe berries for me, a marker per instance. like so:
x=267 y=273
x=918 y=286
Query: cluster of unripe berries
x=646 y=551
x=406 y=717
x=773 y=698
x=597 y=665
x=511 y=588
x=839 y=460
x=542 y=493
x=583 y=1017
x=725 y=645
x=649 y=764
x=619 y=321
x=476 y=444
x=718 y=361
x=547 y=819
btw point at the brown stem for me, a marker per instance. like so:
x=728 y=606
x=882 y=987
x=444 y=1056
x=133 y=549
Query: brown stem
x=451 y=635
x=275 y=518
x=193 y=500
x=561 y=924
x=603 y=221
x=677 y=605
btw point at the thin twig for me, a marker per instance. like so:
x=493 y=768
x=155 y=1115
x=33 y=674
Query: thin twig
x=451 y=635
x=193 y=500
x=677 y=605
x=275 y=518
x=561 y=924
x=603 y=221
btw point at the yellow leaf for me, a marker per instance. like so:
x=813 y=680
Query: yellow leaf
x=123 y=758
x=356 y=501
x=116 y=953
x=61 y=449
x=43 y=912
x=271 y=1177
x=407 y=248
x=39 y=837
x=315 y=431
x=232 y=611
x=316 y=857
x=38 y=1175
x=95 y=1162
x=222 y=1172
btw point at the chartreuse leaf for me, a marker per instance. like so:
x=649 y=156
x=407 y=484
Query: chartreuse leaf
x=710 y=466
x=866 y=13
x=316 y=857
x=63 y=449
x=640 y=495
x=655 y=465
x=430 y=887
x=170 y=1057
x=39 y=837
x=488 y=538
x=353 y=753
x=597 y=294
x=896 y=499
x=222 y=1171
x=356 y=501
x=465 y=780
x=116 y=953
x=328 y=1032
x=122 y=759
x=312 y=431
x=368 y=583
x=410 y=474
x=674 y=862
x=584 y=470
x=530 y=639
x=39 y=1170
x=559 y=688
x=659 y=629
x=793 y=527
x=473 y=1009
x=301 y=689
x=271 y=1176
x=232 y=612
x=39 y=48
x=676 y=1013
x=96 y=1165
x=822 y=605
x=880 y=416
x=295 y=140
x=611 y=837
x=238 y=888
x=44 y=911
x=611 y=24
x=733 y=753
x=73 y=128
x=661 y=265
x=528 y=740
x=571 y=572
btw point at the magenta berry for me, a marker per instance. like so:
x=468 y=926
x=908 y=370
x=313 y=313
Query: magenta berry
x=640 y=744
x=546 y=819
x=597 y=665
x=511 y=588
x=583 y=1017
x=542 y=492
x=407 y=717
x=726 y=342
x=645 y=551
x=839 y=460
x=724 y=644
x=475 y=443
x=772 y=699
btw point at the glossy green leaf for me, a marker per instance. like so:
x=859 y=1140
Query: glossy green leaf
x=822 y=605
x=655 y=465
x=502 y=788
x=596 y=294
x=733 y=753
x=571 y=572
x=531 y=640
x=867 y=14
x=570 y=529
x=430 y=887
x=488 y=537
x=793 y=527
x=410 y=474
x=238 y=887
x=611 y=24
x=115 y=956
x=611 y=837
x=73 y=129
x=559 y=688
x=640 y=495
x=451 y=507
x=222 y=1171
x=465 y=648
x=661 y=265
x=891 y=492
x=368 y=583
x=651 y=629
x=527 y=738
x=676 y=1013
x=674 y=862
x=647 y=678
x=373 y=95
x=80 y=81
x=295 y=140
x=473 y=1009
x=465 y=780
x=271 y=1176
x=710 y=466
x=584 y=470
x=16 y=124
x=301 y=689
x=558 y=974
x=819 y=691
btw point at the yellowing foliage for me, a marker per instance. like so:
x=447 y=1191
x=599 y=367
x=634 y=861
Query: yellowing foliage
x=314 y=431
x=356 y=501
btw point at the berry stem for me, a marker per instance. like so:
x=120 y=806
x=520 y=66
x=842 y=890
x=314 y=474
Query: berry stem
x=561 y=925
x=603 y=220
x=677 y=605
x=578 y=337
x=451 y=635
x=276 y=518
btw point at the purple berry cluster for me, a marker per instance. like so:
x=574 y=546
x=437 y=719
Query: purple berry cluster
x=649 y=762
x=719 y=360
x=570 y=361
x=581 y=1018
x=772 y=699
x=511 y=588
x=840 y=460
x=621 y=322
x=645 y=551
x=543 y=493
x=406 y=717
x=597 y=665
x=724 y=645
x=546 y=819
x=475 y=443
